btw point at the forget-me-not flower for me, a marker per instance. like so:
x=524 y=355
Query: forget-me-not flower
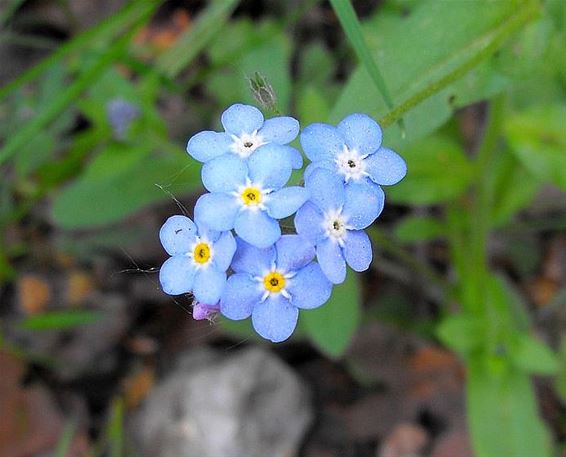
x=199 y=259
x=353 y=151
x=248 y=196
x=272 y=284
x=334 y=218
x=246 y=132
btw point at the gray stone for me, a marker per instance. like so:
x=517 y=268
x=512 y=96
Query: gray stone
x=244 y=404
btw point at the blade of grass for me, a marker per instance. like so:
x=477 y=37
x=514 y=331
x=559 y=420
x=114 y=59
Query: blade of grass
x=103 y=31
x=56 y=320
x=116 y=428
x=194 y=39
x=50 y=112
x=10 y=10
x=66 y=439
x=353 y=30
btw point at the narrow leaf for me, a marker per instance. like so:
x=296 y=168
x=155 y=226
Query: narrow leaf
x=57 y=320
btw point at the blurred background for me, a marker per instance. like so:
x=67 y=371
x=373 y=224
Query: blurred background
x=451 y=345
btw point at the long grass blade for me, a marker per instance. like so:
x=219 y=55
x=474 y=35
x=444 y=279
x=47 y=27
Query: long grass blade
x=104 y=31
x=353 y=29
x=51 y=111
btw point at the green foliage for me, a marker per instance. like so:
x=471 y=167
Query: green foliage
x=332 y=326
x=503 y=416
x=57 y=320
x=423 y=84
x=428 y=161
x=538 y=139
x=419 y=228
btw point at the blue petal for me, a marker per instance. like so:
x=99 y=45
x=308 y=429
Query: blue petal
x=275 y=319
x=326 y=189
x=269 y=167
x=327 y=164
x=363 y=203
x=177 y=234
x=257 y=228
x=357 y=250
x=207 y=233
x=208 y=285
x=361 y=133
x=207 y=145
x=321 y=142
x=238 y=119
x=386 y=167
x=308 y=222
x=331 y=260
x=218 y=211
x=240 y=296
x=281 y=130
x=224 y=174
x=294 y=157
x=176 y=275
x=286 y=201
x=224 y=250
x=309 y=288
x=252 y=260
x=293 y=252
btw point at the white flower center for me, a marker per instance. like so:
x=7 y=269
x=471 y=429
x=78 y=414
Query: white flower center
x=201 y=253
x=245 y=144
x=350 y=163
x=336 y=226
x=252 y=196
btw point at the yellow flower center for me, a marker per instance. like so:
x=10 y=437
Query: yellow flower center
x=201 y=254
x=274 y=281
x=251 y=196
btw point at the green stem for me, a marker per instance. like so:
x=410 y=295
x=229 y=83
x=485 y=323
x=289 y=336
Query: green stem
x=475 y=297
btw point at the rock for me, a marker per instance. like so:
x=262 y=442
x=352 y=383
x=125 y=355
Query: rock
x=248 y=404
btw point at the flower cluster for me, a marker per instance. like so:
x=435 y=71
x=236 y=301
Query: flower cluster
x=260 y=272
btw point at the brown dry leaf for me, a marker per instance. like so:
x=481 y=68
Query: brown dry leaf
x=34 y=293
x=79 y=286
x=30 y=423
x=161 y=36
x=138 y=385
x=453 y=444
x=543 y=290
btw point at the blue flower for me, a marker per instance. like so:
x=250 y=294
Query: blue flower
x=246 y=132
x=121 y=114
x=248 y=197
x=353 y=150
x=199 y=259
x=272 y=284
x=333 y=220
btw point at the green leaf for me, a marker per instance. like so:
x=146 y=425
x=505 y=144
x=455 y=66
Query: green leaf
x=121 y=181
x=428 y=180
x=332 y=326
x=258 y=47
x=514 y=188
x=560 y=382
x=419 y=228
x=503 y=414
x=538 y=139
x=312 y=105
x=58 y=320
x=532 y=356
x=422 y=58
x=462 y=333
